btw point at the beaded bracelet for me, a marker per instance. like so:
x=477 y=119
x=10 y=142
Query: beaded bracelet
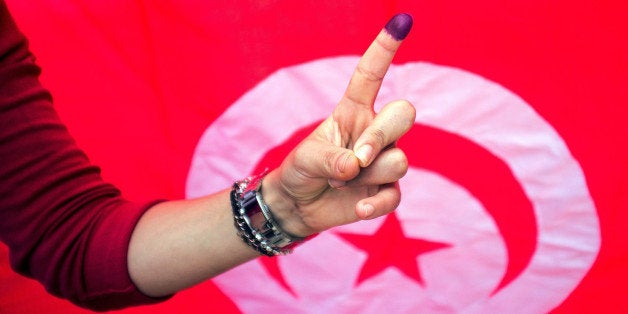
x=254 y=220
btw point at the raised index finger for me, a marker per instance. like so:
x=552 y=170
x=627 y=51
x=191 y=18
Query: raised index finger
x=372 y=67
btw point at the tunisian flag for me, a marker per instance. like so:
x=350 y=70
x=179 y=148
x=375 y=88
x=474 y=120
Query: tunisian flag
x=516 y=195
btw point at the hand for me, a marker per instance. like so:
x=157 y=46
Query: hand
x=348 y=168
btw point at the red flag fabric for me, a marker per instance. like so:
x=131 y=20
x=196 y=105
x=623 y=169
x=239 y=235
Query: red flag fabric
x=516 y=192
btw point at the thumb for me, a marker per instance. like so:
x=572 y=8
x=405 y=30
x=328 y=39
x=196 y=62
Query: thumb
x=321 y=159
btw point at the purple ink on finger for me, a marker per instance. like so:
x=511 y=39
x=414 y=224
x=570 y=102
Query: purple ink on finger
x=399 y=26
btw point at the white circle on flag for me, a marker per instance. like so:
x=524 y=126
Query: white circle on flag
x=460 y=278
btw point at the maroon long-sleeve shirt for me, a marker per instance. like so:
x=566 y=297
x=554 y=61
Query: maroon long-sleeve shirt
x=63 y=224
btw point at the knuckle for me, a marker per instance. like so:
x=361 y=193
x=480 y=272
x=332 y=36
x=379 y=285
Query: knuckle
x=387 y=45
x=407 y=111
x=379 y=137
x=402 y=165
x=369 y=74
x=399 y=164
x=329 y=161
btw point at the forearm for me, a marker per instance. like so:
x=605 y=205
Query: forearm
x=178 y=244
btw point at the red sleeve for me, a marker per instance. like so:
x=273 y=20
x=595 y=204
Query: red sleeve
x=64 y=226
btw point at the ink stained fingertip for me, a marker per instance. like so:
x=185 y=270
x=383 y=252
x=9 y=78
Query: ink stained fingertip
x=399 y=26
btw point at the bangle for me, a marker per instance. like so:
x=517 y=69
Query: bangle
x=254 y=220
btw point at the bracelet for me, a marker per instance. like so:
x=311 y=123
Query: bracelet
x=255 y=222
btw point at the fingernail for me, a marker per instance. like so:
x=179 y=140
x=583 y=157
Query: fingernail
x=336 y=183
x=367 y=210
x=399 y=26
x=364 y=154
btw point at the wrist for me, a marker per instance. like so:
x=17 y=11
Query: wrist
x=256 y=224
x=283 y=206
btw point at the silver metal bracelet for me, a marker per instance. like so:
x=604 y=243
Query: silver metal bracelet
x=255 y=222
